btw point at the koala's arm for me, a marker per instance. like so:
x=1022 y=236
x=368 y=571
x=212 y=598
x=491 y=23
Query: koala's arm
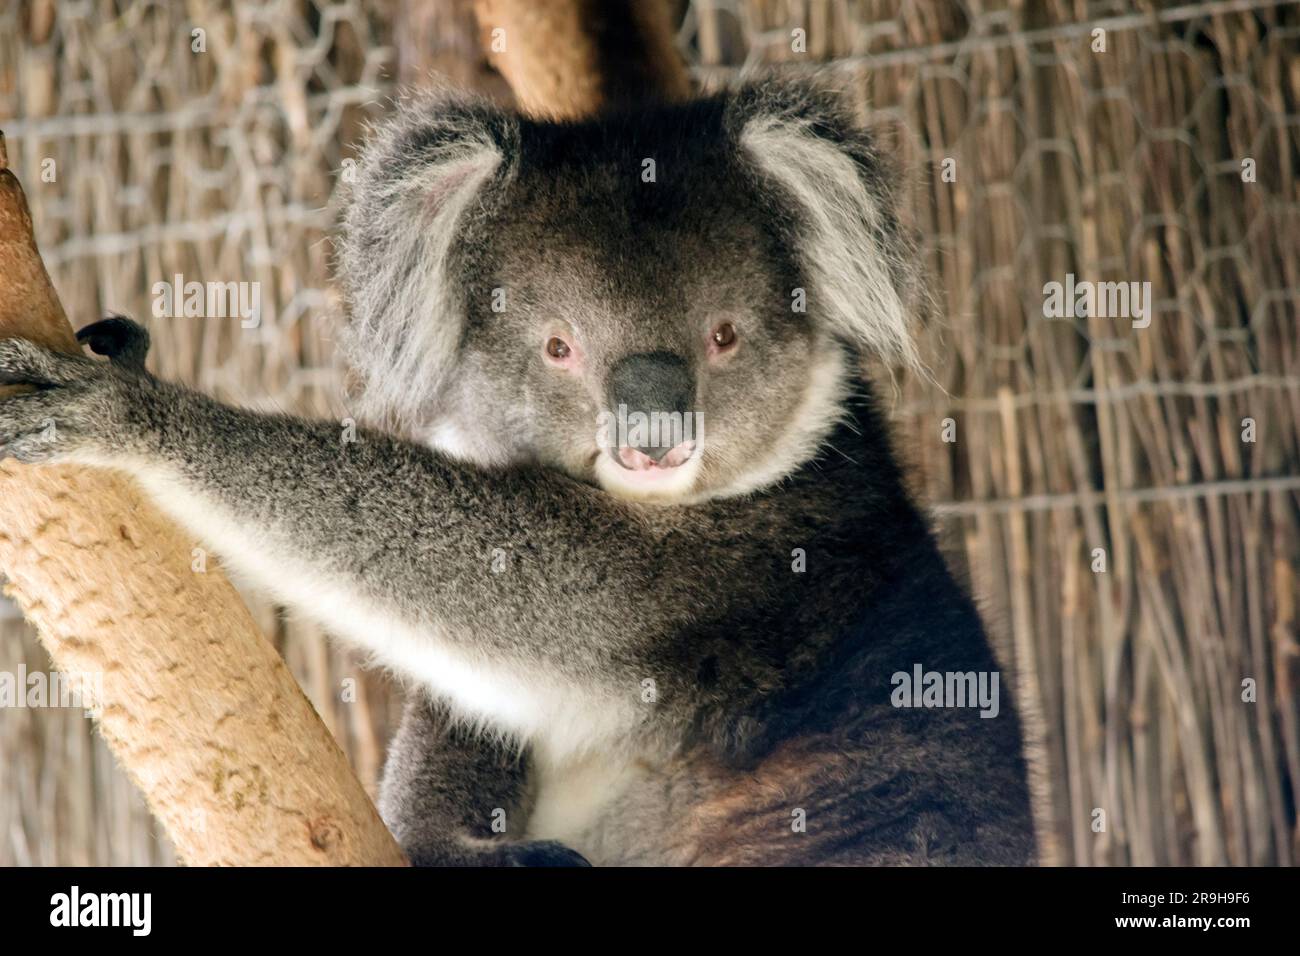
x=522 y=565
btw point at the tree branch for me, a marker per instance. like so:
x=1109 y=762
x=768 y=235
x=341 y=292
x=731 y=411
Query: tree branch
x=199 y=709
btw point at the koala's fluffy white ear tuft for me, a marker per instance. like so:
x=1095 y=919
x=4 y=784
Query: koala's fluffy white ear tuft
x=423 y=178
x=860 y=262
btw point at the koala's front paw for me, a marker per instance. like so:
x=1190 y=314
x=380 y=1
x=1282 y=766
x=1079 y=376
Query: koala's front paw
x=494 y=853
x=73 y=404
x=538 y=853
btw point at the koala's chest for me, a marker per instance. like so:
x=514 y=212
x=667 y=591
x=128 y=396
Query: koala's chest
x=620 y=811
x=522 y=701
x=573 y=802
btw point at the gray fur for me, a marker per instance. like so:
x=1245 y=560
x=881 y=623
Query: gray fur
x=644 y=681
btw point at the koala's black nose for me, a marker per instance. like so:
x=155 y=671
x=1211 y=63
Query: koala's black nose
x=652 y=384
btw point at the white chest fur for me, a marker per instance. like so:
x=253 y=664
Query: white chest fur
x=571 y=798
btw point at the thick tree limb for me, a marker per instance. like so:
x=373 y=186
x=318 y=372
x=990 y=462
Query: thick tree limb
x=567 y=59
x=199 y=709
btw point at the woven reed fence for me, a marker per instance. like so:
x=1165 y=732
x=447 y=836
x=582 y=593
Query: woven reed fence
x=1033 y=155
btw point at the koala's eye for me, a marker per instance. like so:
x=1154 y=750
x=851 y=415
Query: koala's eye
x=724 y=336
x=557 y=348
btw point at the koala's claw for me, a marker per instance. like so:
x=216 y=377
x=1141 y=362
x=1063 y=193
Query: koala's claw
x=123 y=341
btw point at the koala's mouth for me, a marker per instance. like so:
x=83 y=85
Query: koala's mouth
x=634 y=459
x=634 y=473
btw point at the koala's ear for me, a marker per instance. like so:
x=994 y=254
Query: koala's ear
x=801 y=142
x=425 y=176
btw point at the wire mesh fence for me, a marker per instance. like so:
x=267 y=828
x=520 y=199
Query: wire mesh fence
x=1123 y=488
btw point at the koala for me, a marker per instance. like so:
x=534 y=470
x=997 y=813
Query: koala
x=624 y=644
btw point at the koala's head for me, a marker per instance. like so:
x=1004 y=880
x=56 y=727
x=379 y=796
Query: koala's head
x=669 y=303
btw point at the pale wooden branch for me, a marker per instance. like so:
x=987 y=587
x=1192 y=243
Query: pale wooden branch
x=567 y=59
x=198 y=708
